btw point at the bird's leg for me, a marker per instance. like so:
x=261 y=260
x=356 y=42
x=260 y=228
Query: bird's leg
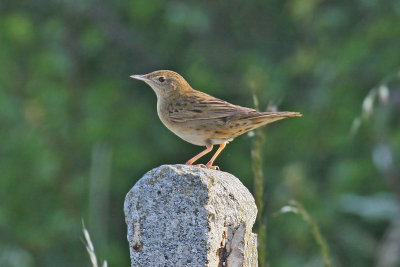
x=210 y=163
x=202 y=153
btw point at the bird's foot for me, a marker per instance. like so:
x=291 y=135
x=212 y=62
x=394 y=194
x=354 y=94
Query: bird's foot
x=212 y=167
x=207 y=166
x=200 y=165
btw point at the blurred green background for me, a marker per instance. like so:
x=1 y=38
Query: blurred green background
x=76 y=133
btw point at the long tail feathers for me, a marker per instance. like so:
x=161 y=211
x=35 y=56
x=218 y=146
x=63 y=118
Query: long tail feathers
x=262 y=118
x=278 y=114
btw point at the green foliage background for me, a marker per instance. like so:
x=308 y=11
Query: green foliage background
x=76 y=132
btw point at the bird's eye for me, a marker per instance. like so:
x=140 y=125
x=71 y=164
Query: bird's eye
x=161 y=79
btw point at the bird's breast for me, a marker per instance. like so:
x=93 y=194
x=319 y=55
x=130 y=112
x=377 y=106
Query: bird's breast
x=182 y=129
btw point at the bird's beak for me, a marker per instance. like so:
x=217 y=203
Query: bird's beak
x=139 y=77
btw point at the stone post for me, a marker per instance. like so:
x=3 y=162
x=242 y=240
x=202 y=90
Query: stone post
x=180 y=215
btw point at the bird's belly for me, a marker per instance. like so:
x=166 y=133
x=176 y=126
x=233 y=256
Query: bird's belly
x=187 y=133
x=195 y=133
x=192 y=137
x=199 y=137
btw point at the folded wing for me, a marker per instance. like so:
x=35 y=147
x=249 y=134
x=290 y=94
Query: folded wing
x=201 y=106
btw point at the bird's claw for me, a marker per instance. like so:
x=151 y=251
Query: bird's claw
x=207 y=166
x=213 y=167
x=200 y=165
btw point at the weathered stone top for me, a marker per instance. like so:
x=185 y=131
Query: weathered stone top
x=180 y=215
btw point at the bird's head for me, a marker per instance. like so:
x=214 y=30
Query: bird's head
x=164 y=82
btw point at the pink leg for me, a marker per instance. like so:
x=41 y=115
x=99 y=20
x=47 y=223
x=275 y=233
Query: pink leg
x=210 y=163
x=202 y=153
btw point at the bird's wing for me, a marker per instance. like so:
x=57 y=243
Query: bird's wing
x=201 y=106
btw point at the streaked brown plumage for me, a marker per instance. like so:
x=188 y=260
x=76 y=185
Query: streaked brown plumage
x=199 y=118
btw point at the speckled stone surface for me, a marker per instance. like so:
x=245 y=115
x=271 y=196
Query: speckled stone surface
x=180 y=215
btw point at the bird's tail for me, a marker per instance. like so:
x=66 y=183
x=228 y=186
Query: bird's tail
x=285 y=114
x=274 y=114
x=262 y=118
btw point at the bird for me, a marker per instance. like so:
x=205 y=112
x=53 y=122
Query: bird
x=201 y=119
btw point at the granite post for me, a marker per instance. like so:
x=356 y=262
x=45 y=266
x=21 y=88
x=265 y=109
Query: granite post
x=180 y=215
